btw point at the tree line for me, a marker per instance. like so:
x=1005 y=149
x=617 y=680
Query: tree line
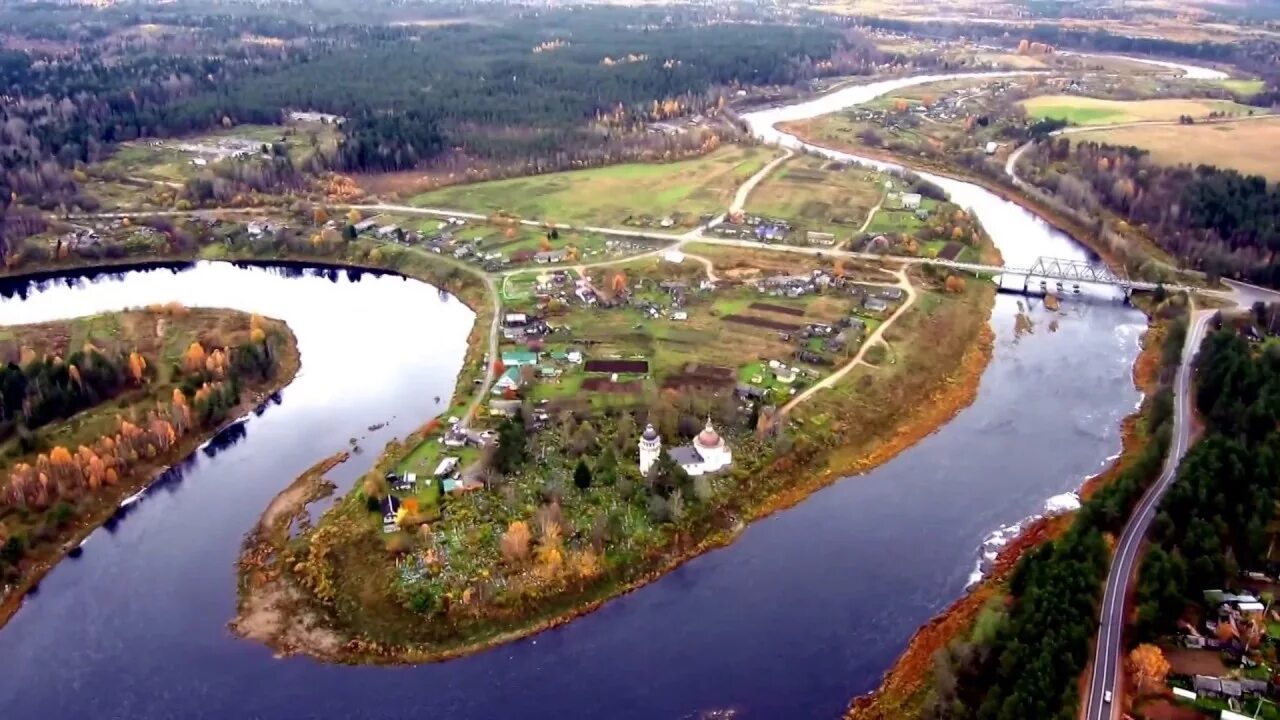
x=1215 y=220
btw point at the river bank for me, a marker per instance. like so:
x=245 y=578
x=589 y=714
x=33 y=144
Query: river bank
x=1088 y=237
x=960 y=333
x=905 y=687
x=108 y=501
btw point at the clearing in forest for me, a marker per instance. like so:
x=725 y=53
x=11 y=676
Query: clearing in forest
x=636 y=194
x=1097 y=111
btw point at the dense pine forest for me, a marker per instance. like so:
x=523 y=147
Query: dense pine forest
x=1219 y=517
x=525 y=89
x=1215 y=220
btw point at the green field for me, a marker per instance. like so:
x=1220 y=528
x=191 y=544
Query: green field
x=816 y=198
x=608 y=196
x=1079 y=110
x=1246 y=88
x=894 y=221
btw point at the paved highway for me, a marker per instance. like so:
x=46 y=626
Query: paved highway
x=1108 y=674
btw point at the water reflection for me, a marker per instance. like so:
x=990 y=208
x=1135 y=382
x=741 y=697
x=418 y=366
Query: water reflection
x=229 y=436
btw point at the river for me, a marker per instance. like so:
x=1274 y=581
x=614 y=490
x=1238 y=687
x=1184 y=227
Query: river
x=805 y=610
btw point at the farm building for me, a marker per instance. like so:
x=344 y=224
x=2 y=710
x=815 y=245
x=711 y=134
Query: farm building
x=518 y=358
x=447 y=467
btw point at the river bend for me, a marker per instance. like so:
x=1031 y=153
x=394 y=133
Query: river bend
x=805 y=610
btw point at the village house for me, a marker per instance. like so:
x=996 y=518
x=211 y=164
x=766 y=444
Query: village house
x=390 y=513
x=509 y=380
x=570 y=356
x=550 y=256
x=820 y=238
x=407 y=482
x=875 y=305
x=504 y=408
x=455 y=437
x=365 y=225
x=811 y=357
x=447 y=468
x=891 y=293
x=910 y=201
x=514 y=326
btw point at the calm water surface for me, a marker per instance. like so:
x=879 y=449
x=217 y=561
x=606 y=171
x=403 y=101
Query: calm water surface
x=807 y=609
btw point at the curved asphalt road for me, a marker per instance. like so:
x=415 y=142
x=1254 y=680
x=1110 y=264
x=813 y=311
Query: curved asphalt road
x=1108 y=674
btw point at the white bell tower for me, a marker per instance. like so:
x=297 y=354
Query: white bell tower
x=650 y=449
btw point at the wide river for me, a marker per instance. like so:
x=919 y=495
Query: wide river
x=805 y=610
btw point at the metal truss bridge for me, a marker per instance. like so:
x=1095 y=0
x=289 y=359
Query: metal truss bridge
x=1060 y=270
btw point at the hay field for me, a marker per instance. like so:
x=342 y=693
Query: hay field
x=609 y=195
x=1250 y=146
x=1096 y=111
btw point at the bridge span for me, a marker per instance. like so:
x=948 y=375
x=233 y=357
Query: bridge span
x=1063 y=271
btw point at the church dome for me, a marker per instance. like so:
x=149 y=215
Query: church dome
x=650 y=434
x=709 y=438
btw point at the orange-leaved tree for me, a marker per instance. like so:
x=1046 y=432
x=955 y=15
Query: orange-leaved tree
x=1148 y=664
x=515 y=542
x=194 y=358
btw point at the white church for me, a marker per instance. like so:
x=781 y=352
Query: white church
x=707 y=454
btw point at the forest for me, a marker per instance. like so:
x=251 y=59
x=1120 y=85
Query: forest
x=1255 y=55
x=52 y=478
x=525 y=89
x=42 y=390
x=550 y=86
x=1214 y=220
x=1029 y=663
x=1218 y=518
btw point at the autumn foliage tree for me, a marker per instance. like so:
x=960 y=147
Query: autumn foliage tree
x=1148 y=665
x=193 y=359
x=515 y=542
x=137 y=367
